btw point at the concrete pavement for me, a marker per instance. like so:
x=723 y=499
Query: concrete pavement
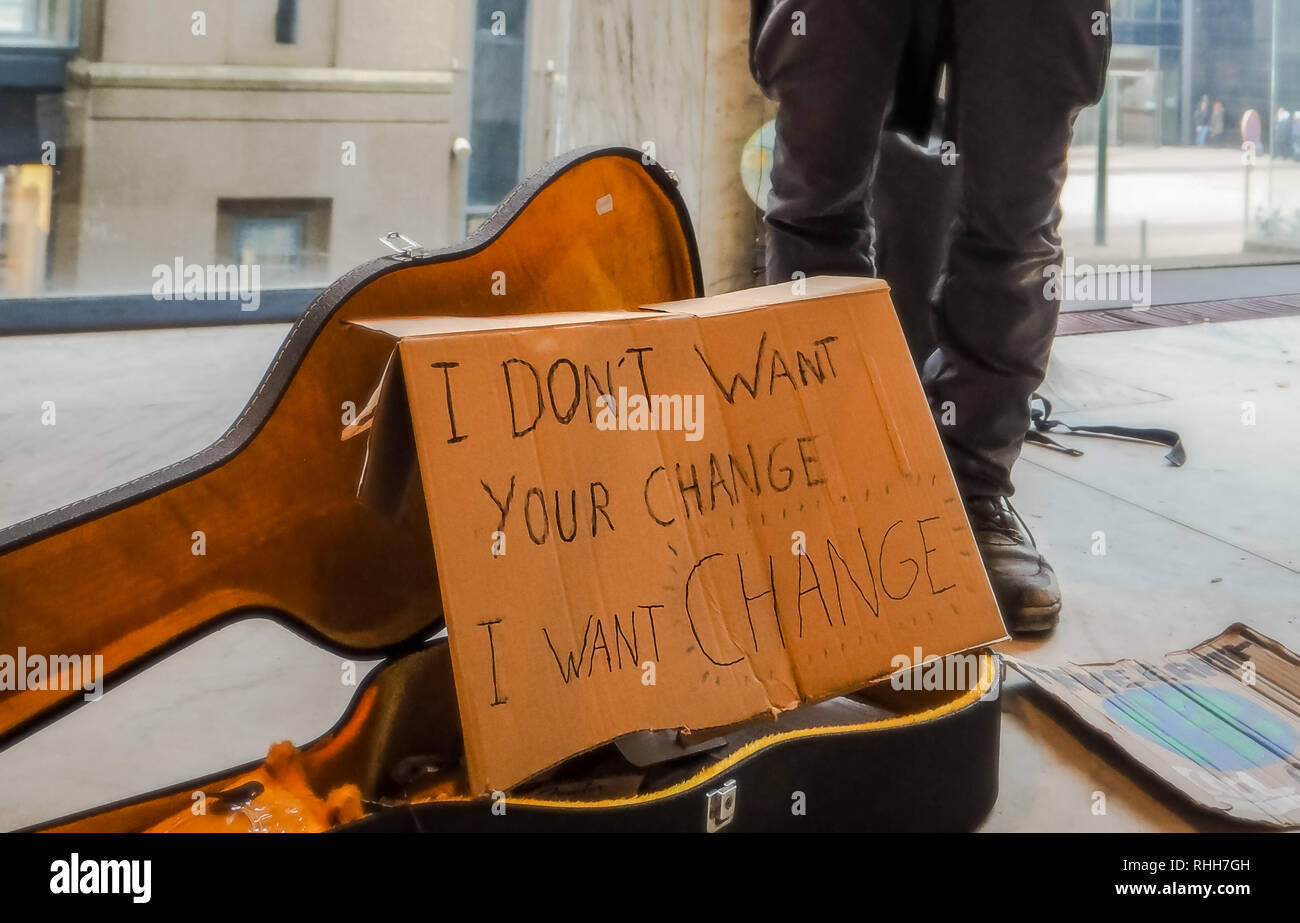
x=1189 y=551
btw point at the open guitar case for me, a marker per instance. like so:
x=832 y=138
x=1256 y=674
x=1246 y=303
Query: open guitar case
x=115 y=575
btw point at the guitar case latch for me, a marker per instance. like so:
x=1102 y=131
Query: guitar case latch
x=721 y=809
x=400 y=244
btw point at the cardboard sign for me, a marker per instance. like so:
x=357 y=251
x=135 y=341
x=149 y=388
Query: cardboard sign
x=1219 y=723
x=681 y=517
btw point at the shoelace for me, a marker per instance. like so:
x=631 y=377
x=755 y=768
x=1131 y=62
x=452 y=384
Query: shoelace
x=996 y=514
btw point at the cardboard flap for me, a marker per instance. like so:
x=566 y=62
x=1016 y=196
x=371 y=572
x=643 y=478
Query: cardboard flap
x=747 y=299
x=389 y=466
x=399 y=328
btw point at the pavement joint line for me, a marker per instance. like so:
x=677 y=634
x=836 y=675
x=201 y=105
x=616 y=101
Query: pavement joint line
x=1058 y=412
x=1169 y=519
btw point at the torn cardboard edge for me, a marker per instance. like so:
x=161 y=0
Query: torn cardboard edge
x=1218 y=723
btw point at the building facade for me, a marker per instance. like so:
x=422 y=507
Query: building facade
x=287 y=135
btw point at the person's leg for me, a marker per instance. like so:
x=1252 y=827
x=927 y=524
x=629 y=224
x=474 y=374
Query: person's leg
x=914 y=200
x=831 y=66
x=1021 y=72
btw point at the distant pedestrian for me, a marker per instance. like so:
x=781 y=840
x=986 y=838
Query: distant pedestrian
x=1282 y=133
x=1216 y=123
x=1201 y=119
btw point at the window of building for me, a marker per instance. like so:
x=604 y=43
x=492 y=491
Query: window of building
x=498 y=99
x=287 y=238
x=17 y=17
x=1178 y=177
x=273 y=243
x=39 y=21
x=25 y=195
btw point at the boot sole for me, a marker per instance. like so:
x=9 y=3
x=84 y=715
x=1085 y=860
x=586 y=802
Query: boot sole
x=1035 y=620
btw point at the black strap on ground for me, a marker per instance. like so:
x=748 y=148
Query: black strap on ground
x=1041 y=423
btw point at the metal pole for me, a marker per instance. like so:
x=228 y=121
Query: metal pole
x=1103 y=142
x=1160 y=100
x=1245 y=203
x=1185 y=62
x=1272 y=105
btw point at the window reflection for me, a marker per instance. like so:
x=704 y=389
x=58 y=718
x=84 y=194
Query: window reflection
x=1189 y=181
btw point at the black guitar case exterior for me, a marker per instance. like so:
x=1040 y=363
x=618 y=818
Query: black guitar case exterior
x=931 y=769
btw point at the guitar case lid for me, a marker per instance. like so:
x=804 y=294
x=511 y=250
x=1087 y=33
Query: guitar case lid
x=117 y=575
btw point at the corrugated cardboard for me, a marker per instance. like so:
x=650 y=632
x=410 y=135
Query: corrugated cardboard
x=597 y=581
x=1219 y=723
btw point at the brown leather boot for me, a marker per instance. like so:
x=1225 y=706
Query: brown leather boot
x=1023 y=582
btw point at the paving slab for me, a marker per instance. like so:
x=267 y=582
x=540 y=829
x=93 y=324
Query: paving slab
x=1188 y=551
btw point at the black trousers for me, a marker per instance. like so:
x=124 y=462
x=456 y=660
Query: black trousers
x=1019 y=72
